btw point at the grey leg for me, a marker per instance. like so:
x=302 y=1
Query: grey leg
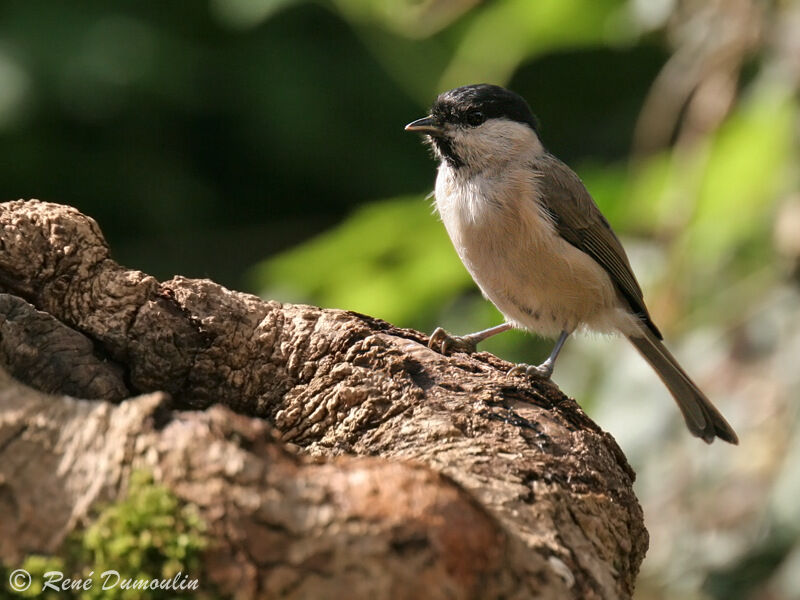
x=443 y=342
x=545 y=369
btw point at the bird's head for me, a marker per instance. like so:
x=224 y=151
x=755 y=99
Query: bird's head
x=479 y=126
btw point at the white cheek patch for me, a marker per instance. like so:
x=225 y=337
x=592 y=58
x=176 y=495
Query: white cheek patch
x=494 y=143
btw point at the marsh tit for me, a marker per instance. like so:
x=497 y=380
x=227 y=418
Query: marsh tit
x=535 y=242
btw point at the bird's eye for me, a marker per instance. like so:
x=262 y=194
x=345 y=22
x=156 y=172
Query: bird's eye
x=475 y=118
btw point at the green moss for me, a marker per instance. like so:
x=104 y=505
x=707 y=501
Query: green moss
x=148 y=535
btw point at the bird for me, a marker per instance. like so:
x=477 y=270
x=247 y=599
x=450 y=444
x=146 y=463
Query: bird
x=536 y=244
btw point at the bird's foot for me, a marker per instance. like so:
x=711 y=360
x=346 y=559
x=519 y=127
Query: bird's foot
x=543 y=371
x=443 y=342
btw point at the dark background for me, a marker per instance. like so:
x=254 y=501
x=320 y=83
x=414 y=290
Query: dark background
x=200 y=148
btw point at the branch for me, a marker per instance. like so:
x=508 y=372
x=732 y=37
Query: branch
x=475 y=484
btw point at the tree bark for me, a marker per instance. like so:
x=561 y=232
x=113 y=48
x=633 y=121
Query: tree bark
x=332 y=454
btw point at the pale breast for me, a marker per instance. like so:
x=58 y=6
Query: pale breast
x=511 y=248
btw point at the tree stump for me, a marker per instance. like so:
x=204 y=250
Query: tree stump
x=332 y=454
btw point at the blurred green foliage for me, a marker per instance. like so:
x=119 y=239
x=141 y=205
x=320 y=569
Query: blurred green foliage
x=389 y=259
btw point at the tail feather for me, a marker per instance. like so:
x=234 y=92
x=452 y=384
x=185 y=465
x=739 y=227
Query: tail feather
x=701 y=417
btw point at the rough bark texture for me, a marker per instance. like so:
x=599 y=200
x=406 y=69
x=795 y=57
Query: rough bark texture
x=360 y=464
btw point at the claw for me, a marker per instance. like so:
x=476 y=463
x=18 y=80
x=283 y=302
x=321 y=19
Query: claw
x=543 y=371
x=444 y=343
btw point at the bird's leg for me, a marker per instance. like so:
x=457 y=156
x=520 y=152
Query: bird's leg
x=544 y=370
x=443 y=342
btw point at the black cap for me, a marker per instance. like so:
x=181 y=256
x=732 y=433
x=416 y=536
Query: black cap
x=472 y=104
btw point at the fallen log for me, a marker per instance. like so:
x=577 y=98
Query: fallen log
x=332 y=454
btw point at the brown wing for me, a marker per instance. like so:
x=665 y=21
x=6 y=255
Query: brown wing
x=580 y=222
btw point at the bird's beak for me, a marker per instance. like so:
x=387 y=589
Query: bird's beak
x=427 y=125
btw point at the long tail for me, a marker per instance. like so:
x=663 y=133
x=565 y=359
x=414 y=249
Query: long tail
x=701 y=417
